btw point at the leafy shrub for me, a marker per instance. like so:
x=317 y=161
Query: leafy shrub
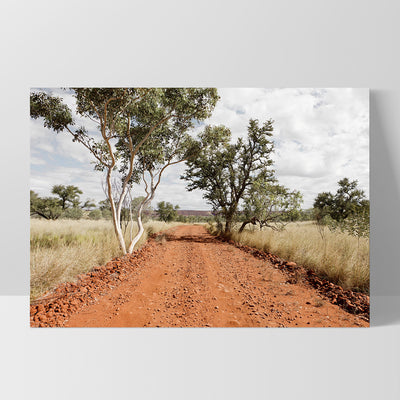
x=73 y=213
x=95 y=214
x=106 y=214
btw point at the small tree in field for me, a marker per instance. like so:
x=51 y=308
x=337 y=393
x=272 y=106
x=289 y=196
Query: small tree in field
x=347 y=201
x=73 y=213
x=47 y=207
x=347 y=210
x=166 y=211
x=356 y=224
x=269 y=204
x=95 y=214
x=105 y=208
x=127 y=116
x=69 y=195
x=224 y=171
x=89 y=204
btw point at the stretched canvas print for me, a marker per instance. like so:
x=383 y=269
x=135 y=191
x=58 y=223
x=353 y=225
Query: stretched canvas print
x=199 y=207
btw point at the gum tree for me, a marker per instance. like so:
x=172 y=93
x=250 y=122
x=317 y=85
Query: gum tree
x=225 y=170
x=269 y=204
x=169 y=145
x=121 y=114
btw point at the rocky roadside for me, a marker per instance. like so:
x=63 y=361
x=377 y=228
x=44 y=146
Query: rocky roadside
x=55 y=306
x=350 y=301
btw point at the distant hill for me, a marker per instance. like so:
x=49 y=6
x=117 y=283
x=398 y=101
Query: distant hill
x=185 y=213
x=195 y=213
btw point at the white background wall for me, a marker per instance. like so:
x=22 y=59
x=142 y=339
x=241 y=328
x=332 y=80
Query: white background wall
x=215 y=43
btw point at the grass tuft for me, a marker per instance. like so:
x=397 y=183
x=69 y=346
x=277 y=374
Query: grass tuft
x=63 y=249
x=341 y=258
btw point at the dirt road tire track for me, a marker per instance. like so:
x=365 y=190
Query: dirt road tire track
x=188 y=278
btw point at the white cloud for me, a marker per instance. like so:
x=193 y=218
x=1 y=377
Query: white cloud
x=46 y=143
x=88 y=180
x=37 y=161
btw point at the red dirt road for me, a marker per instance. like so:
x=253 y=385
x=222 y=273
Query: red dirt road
x=188 y=278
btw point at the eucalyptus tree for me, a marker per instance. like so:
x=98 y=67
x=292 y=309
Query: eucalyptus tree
x=169 y=145
x=225 y=170
x=269 y=204
x=119 y=114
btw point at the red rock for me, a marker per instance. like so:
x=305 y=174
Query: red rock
x=291 y=264
x=42 y=318
x=40 y=308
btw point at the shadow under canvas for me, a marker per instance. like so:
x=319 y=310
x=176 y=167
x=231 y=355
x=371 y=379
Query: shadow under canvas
x=385 y=201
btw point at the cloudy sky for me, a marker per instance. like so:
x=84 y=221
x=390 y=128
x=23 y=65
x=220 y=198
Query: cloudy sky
x=320 y=135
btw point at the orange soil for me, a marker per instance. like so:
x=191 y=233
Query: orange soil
x=187 y=278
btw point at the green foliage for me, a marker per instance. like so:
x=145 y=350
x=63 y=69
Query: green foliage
x=124 y=114
x=166 y=211
x=224 y=171
x=66 y=206
x=169 y=142
x=73 y=213
x=323 y=204
x=105 y=205
x=95 y=214
x=69 y=195
x=306 y=215
x=89 y=204
x=270 y=204
x=56 y=114
x=105 y=208
x=106 y=214
x=347 y=210
x=192 y=219
x=356 y=224
x=347 y=201
x=125 y=218
x=136 y=202
x=47 y=207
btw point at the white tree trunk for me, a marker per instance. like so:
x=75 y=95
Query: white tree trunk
x=116 y=216
x=146 y=201
x=118 y=232
x=140 y=231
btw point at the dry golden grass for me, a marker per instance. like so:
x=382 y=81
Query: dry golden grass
x=63 y=249
x=341 y=258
